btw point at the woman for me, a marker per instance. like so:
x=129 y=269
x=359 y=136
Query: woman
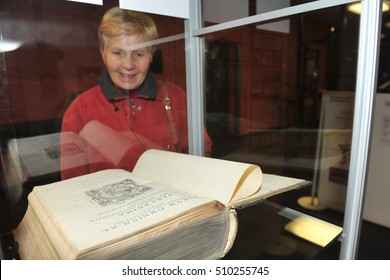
x=129 y=111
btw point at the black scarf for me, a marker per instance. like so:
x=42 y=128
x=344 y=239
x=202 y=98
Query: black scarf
x=147 y=89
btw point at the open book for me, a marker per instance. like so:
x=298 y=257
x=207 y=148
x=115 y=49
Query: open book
x=172 y=206
x=40 y=156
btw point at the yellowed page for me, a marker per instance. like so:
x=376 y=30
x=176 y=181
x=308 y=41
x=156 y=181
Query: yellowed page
x=216 y=179
x=271 y=185
x=110 y=205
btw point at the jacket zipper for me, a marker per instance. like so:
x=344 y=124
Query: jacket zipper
x=132 y=106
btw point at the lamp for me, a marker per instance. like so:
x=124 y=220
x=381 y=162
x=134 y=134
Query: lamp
x=313 y=230
x=307 y=227
x=7 y=45
x=357 y=7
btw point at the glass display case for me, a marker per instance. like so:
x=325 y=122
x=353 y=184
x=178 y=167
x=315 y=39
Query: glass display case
x=274 y=83
x=267 y=230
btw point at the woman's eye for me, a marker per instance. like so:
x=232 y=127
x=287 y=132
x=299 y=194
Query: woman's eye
x=118 y=53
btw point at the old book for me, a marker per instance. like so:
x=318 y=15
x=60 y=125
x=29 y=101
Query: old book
x=172 y=206
x=39 y=156
x=46 y=155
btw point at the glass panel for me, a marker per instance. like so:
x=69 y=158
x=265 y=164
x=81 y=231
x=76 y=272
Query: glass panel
x=284 y=100
x=384 y=56
x=50 y=55
x=277 y=232
x=233 y=9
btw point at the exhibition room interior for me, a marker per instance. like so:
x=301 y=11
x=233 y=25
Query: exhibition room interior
x=278 y=92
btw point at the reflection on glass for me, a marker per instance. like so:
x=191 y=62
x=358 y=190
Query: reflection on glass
x=233 y=10
x=260 y=83
x=283 y=99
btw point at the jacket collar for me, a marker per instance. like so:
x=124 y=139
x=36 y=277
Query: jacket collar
x=148 y=89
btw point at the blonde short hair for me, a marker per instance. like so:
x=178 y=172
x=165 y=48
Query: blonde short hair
x=117 y=22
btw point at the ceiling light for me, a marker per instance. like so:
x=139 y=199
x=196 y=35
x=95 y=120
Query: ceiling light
x=357 y=7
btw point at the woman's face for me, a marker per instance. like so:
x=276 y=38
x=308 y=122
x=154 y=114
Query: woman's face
x=127 y=62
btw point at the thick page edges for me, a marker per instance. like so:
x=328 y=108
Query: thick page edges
x=233 y=229
x=217 y=179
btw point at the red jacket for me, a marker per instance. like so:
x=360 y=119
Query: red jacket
x=122 y=128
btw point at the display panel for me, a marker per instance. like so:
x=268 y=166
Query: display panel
x=50 y=55
x=266 y=90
